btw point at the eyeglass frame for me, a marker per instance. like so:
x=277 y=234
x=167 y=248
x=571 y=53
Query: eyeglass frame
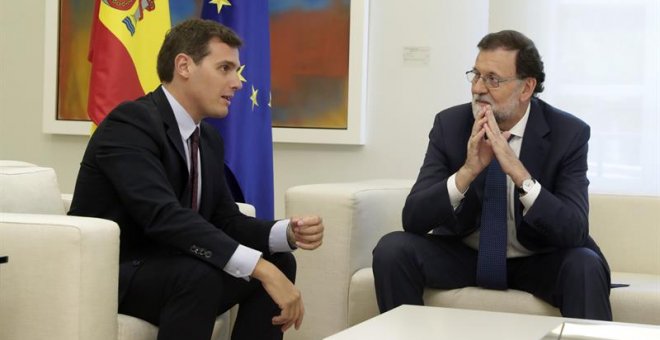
x=488 y=80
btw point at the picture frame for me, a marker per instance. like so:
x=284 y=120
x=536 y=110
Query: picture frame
x=353 y=134
x=50 y=123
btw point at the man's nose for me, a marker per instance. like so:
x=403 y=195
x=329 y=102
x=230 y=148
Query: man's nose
x=237 y=84
x=479 y=86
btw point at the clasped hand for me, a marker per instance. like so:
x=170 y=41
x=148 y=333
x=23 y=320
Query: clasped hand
x=308 y=231
x=488 y=141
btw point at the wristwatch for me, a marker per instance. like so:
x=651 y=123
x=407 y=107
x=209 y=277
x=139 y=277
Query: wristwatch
x=526 y=186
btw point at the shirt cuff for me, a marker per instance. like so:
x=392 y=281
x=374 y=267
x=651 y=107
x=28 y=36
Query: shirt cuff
x=455 y=196
x=529 y=199
x=242 y=262
x=277 y=240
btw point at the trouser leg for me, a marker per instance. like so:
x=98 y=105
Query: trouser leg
x=256 y=310
x=576 y=280
x=183 y=296
x=405 y=263
x=177 y=293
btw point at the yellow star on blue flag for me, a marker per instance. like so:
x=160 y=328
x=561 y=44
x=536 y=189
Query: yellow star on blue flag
x=253 y=97
x=219 y=3
x=240 y=74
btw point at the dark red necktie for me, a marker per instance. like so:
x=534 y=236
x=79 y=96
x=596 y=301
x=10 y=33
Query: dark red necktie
x=194 y=171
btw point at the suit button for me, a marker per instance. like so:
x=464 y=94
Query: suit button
x=208 y=254
x=194 y=248
x=136 y=263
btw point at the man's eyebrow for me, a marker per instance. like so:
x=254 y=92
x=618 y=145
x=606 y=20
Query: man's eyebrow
x=227 y=62
x=491 y=73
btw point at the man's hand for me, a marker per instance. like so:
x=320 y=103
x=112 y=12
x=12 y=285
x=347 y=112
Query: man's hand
x=283 y=292
x=499 y=144
x=308 y=231
x=479 y=151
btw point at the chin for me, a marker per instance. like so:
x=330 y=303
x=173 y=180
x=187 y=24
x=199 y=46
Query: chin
x=219 y=114
x=502 y=116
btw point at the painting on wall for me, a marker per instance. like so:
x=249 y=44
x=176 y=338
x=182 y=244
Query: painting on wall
x=318 y=53
x=66 y=70
x=72 y=67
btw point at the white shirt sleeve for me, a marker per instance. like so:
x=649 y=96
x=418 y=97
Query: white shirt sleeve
x=529 y=199
x=242 y=263
x=455 y=196
x=277 y=240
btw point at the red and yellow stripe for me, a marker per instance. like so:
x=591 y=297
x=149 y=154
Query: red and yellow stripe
x=126 y=37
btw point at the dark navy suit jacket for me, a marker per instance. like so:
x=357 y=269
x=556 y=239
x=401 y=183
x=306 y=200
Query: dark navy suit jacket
x=554 y=151
x=134 y=172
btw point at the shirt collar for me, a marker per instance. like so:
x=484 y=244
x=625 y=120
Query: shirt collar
x=519 y=129
x=183 y=120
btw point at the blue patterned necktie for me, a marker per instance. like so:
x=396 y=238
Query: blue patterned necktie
x=491 y=261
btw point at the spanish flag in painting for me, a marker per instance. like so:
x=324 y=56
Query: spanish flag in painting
x=247 y=131
x=125 y=39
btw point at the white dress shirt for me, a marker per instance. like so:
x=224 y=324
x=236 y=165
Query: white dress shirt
x=244 y=260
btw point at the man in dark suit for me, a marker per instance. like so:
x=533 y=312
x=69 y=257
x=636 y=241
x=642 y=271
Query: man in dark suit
x=153 y=166
x=532 y=234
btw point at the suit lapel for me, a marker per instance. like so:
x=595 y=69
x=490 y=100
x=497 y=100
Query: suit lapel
x=175 y=141
x=535 y=145
x=171 y=127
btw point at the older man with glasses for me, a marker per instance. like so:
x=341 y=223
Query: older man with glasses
x=501 y=200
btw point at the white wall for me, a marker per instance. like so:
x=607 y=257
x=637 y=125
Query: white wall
x=402 y=99
x=21 y=78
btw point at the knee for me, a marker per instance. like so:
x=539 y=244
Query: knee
x=585 y=264
x=390 y=248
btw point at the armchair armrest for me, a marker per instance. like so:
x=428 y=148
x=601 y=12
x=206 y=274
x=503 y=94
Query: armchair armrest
x=247 y=209
x=61 y=279
x=66 y=200
x=355 y=216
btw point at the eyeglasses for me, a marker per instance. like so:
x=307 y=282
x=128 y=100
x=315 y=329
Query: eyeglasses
x=491 y=81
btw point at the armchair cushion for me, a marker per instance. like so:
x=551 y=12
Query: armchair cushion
x=29 y=189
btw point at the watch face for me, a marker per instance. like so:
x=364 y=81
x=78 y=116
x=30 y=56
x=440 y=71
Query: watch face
x=527 y=185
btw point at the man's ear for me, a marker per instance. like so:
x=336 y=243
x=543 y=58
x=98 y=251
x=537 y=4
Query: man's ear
x=182 y=65
x=528 y=89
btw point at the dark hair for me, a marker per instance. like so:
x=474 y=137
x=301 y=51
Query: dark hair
x=192 y=38
x=528 y=60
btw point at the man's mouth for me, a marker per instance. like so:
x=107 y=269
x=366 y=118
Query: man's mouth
x=227 y=99
x=481 y=102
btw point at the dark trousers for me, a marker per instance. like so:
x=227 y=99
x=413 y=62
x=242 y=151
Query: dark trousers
x=576 y=280
x=183 y=296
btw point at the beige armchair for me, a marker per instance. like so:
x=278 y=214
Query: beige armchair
x=338 y=286
x=60 y=281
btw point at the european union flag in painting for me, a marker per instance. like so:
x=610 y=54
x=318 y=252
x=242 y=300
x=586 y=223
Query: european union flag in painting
x=247 y=129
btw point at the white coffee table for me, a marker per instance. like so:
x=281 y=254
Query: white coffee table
x=421 y=322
